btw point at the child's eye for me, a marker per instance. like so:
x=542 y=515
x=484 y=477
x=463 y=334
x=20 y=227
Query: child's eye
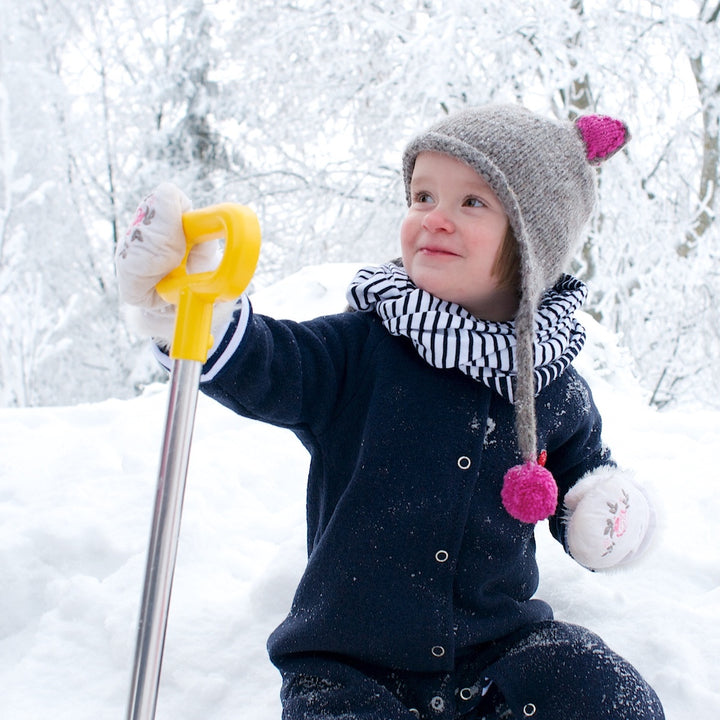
x=474 y=202
x=422 y=197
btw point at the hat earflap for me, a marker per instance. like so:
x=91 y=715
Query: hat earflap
x=530 y=493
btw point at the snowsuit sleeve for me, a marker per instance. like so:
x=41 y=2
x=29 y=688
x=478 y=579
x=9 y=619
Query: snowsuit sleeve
x=573 y=441
x=290 y=374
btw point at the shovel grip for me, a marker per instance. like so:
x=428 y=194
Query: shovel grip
x=196 y=293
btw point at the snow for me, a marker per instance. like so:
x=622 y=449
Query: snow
x=77 y=487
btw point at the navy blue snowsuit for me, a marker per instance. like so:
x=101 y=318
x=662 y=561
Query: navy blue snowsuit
x=418 y=581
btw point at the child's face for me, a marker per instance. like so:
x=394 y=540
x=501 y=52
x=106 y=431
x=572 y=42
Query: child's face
x=451 y=236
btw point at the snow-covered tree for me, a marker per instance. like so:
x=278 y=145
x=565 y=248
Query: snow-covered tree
x=47 y=269
x=301 y=110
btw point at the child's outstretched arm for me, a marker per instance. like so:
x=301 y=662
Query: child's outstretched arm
x=287 y=373
x=609 y=519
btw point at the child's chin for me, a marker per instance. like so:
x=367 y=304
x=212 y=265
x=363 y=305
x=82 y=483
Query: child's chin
x=430 y=279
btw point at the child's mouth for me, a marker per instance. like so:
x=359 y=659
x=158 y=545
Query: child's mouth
x=437 y=252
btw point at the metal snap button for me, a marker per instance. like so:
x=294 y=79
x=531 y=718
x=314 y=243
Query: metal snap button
x=442 y=556
x=529 y=710
x=466 y=694
x=464 y=462
x=437 y=704
x=438 y=651
x=415 y=712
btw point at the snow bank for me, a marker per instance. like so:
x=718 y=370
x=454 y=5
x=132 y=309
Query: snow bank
x=76 y=492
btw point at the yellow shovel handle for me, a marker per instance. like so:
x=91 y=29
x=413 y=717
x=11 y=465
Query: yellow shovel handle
x=195 y=293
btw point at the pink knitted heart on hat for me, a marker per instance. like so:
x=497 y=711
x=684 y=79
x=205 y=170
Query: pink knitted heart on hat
x=603 y=136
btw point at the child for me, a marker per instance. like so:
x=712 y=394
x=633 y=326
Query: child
x=443 y=420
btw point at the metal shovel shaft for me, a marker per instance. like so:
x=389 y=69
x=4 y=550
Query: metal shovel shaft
x=164 y=539
x=195 y=295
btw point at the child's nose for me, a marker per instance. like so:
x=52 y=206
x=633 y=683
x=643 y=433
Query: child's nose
x=438 y=220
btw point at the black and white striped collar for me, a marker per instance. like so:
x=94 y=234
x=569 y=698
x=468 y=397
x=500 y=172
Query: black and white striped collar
x=448 y=336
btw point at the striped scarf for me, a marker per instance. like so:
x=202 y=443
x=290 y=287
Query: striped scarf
x=448 y=336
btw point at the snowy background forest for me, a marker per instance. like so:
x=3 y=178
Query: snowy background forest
x=300 y=109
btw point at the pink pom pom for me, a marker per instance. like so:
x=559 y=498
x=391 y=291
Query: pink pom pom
x=529 y=492
x=603 y=136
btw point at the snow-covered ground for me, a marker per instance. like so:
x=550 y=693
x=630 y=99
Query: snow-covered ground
x=77 y=488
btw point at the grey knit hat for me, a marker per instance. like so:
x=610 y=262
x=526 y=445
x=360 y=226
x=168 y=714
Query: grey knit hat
x=542 y=172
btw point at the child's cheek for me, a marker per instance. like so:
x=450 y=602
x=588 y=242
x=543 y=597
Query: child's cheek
x=406 y=242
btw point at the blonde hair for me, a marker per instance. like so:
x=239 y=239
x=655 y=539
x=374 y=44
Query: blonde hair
x=506 y=267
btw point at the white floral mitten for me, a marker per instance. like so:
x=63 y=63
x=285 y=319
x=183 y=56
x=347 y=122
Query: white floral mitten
x=153 y=245
x=609 y=519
